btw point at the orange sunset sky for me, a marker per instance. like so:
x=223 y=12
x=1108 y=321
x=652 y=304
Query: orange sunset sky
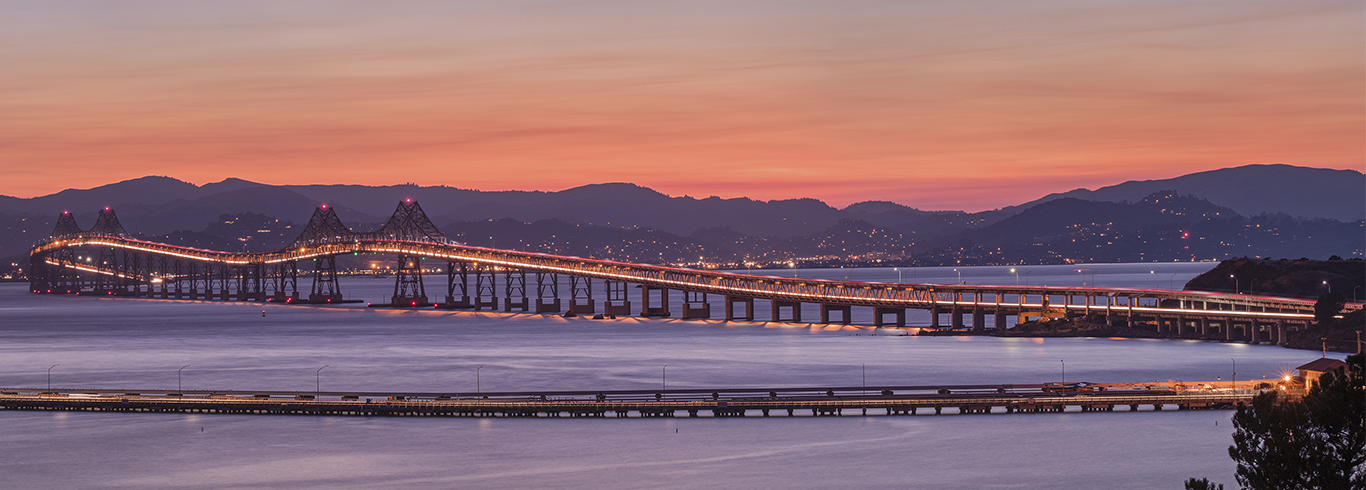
x=932 y=104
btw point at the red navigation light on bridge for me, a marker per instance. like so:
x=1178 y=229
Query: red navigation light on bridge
x=106 y=208
x=408 y=200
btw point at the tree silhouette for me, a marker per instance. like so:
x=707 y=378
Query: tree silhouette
x=1328 y=306
x=1316 y=442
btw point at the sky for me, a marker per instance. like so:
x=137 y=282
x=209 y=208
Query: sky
x=931 y=104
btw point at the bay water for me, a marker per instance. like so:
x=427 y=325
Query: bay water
x=139 y=344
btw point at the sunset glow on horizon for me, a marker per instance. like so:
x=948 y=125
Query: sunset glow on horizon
x=935 y=105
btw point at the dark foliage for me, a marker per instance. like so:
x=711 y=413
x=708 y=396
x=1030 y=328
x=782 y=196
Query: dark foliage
x=1202 y=484
x=1328 y=306
x=1317 y=442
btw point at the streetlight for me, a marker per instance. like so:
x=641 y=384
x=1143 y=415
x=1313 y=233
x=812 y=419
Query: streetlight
x=1171 y=281
x=318 y=379
x=664 y=380
x=1017 y=276
x=1064 y=369
x=478 y=388
x=1235 y=283
x=1330 y=287
x=960 y=276
x=1027 y=277
x=1155 y=280
x=177 y=376
x=898 y=274
x=49 y=376
x=1233 y=380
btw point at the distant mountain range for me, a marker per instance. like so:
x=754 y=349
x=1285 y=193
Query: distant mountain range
x=605 y=219
x=1251 y=190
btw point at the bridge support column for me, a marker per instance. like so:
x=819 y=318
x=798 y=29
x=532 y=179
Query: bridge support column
x=1227 y=325
x=581 y=296
x=514 y=286
x=1280 y=332
x=408 y=287
x=646 y=309
x=1000 y=317
x=843 y=309
x=286 y=283
x=695 y=306
x=485 y=287
x=979 y=319
x=550 y=304
x=616 y=302
x=956 y=317
x=1203 y=326
x=879 y=318
x=748 y=303
x=934 y=316
x=457 y=285
x=778 y=305
x=325 y=287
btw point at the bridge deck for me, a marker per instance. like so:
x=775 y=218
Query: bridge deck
x=853 y=293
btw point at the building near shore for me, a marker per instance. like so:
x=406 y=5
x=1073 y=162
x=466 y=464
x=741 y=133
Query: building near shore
x=1312 y=371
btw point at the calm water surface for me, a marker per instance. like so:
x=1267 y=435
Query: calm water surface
x=139 y=344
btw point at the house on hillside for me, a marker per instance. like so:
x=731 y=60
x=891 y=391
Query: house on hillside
x=1311 y=372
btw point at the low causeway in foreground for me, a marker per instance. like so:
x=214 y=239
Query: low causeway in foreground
x=730 y=402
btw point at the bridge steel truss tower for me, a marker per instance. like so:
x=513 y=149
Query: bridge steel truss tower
x=408 y=287
x=106 y=260
x=457 y=278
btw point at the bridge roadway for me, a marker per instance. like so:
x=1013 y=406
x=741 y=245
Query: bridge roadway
x=1194 y=314
x=720 y=402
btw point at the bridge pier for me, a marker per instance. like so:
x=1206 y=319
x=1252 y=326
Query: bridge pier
x=552 y=303
x=325 y=287
x=1000 y=318
x=934 y=316
x=879 y=316
x=617 y=303
x=457 y=285
x=695 y=306
x=778 y=305
x=844 y=310
x=748 y=303
x=514 y=285
x=956 y=317
x=408 y=287
x=979 y=319
x=645 y=309
x=485 y=287
x=581 y=296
